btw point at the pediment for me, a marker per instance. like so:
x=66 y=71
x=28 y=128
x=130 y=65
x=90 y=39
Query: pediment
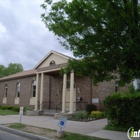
x=52 y=58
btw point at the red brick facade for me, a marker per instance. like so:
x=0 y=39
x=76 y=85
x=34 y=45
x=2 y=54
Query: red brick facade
x=53 y=83
x=52 y=93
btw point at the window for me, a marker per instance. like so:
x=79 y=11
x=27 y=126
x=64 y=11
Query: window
x=18 y=90
x=68 y=84
x=5 y=90
x=52 y=62
x=33 y=89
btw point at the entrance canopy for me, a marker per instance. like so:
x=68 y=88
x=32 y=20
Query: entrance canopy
x=53 y=61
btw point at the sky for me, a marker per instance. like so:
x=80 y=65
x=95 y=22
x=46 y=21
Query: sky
x=24 y=38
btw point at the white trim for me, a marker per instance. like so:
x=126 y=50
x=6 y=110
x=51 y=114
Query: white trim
x=48 y=70
x=32 y=101
x=4 y=100
x=17 y=100
x=52 y=52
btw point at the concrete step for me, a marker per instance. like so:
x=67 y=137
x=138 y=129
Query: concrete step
x=49 y=112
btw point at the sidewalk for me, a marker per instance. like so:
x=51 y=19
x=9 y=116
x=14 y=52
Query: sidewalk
x=92 y=128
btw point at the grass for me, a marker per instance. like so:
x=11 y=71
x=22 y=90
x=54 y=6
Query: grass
x=17 y=126
x=72 y=136
x=68 y=136
x=116 y=128
x=8 y=112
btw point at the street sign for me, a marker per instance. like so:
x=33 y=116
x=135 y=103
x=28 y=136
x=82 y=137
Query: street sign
x=62 y=122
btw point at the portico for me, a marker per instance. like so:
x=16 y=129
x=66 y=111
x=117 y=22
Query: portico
x=50 y=66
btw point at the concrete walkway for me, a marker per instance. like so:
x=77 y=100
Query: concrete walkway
x=92 y=128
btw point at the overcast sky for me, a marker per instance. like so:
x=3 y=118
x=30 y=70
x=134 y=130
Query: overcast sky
x=24 y=38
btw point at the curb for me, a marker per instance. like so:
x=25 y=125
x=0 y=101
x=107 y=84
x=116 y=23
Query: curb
x=23 y=134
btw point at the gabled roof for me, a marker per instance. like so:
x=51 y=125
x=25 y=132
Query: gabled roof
x=33 y=71
x=19 y=75
x=52 y=52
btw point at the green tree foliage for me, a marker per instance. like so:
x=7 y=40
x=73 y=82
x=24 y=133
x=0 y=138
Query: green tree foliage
x=2 y=71
x=104 y=33
x=11 y=69
x=122 y=109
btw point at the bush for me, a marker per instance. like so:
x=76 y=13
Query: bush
x=16 y=109
x=27 y=109
x=90 y=108
x=96 y=115
x=6 y=107
x=9 y=108
x=80 y=115
x=122 y=109
x=132 y=89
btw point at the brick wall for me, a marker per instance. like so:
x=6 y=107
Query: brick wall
x=100 y=91
x=56 y=92
x=25 y=91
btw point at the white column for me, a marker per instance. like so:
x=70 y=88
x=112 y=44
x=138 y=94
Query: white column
x=71 y=91
x=64 y=93
x=41 y=91
x=37 y=85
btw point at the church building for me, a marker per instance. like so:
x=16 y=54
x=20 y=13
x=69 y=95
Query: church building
x=43 y=88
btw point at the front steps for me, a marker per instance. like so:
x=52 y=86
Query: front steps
x=52 y=113
x=49 y=112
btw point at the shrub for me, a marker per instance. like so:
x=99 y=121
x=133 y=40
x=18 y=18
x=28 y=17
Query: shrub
x=6 y=107
x=27 y=109
x=80 y=115
x=96 y=114
x=122 y=109
x=9 y=108
x=90 y=108
x=16 y=109
x=132 y=89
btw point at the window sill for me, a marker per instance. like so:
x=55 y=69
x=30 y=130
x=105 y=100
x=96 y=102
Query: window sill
x=32 y=101
x=17 y=100
x=4 y=100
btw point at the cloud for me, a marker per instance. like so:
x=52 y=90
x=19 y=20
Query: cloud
x=23 y=36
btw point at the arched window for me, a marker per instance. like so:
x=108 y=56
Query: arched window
x=5 y=90
x=18 y=90
x=52 y=62
x=33 y=89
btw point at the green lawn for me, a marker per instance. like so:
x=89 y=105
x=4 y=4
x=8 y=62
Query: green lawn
x=8 y=112
x=71 y=136
x=40 y=131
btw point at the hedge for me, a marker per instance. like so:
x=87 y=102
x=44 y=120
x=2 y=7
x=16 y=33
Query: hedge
x=96 y=114
x=15 y=109
x=122 y=109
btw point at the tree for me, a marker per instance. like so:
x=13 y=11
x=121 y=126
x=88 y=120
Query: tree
x=105 y=34
x=2 y=70
x=11 y=69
